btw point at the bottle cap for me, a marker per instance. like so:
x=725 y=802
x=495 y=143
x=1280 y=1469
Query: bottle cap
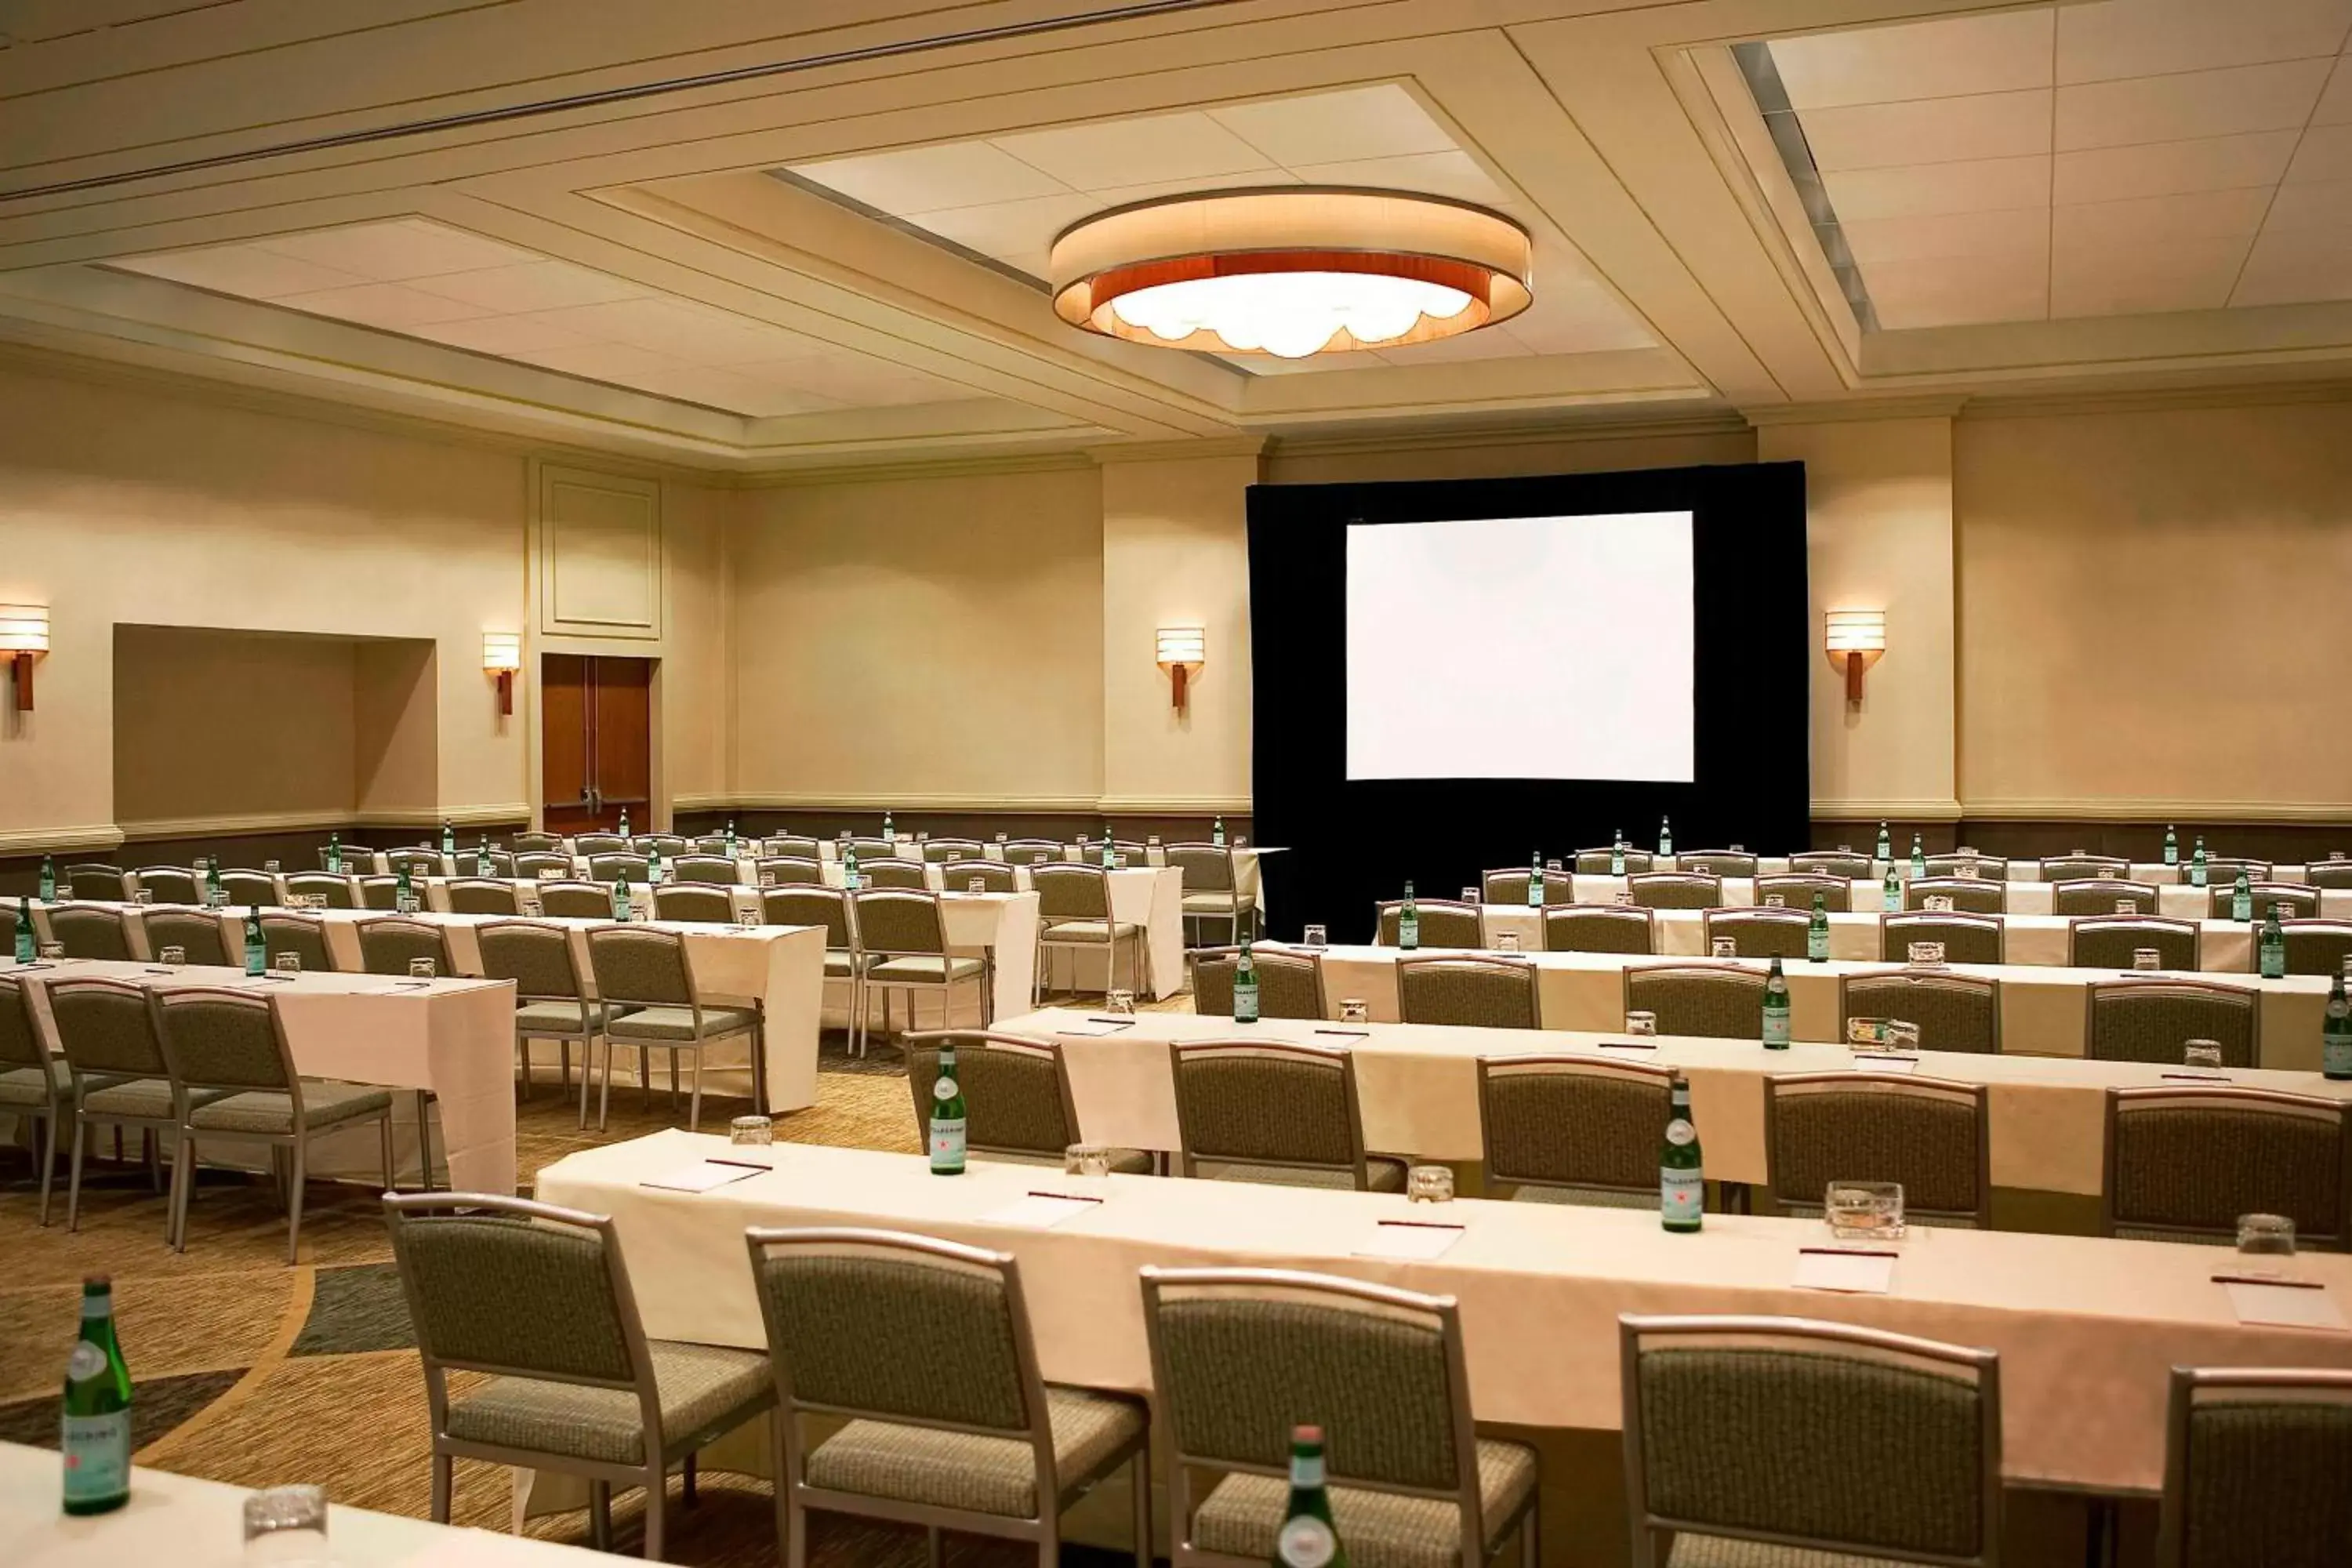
x=1306 y=1434
x=97 y=1284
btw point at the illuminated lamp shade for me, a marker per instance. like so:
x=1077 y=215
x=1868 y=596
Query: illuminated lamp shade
x=1182 y=651
x=501 y=656
x=1290 y=272
x=1855 y=639
x=24 y=638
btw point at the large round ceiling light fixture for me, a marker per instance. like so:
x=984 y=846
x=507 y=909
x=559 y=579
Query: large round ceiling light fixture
x=1290 y=271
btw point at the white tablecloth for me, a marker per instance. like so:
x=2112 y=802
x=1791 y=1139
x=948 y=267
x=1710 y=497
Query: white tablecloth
x=454 y=1037
x=2088 y=1330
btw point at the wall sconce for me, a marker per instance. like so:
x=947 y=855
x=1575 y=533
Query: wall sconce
x=503 y=656
x=24 y=638
x=1856 y=640
x=1182 y=650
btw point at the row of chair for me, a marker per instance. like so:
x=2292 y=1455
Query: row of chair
x=2125 y=1019
x=1798 y=889
x=2182 y=1164
x=901 y=1381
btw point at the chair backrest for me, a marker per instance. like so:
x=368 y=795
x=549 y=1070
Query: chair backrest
x=1601 y=862
x=613 y=867
x=1846 y=865
x=874 y=849
x=1573 y=1121
x=1718 y=862
x=2185 y=1162
x=693 y=901
x=890 y=873
x=2298 y=901
x=2109 y=942
x=1016 y=1090
x=1290 y=981
x=598 y=843
x=1206 y=867
x=791 y=871
x=196 y=934
x=2317 y=947
x=1034 y=852
x=95 y=879
x=1953 y=1012
x=719 y=870
x=248 y=889
x=1600 y=927
x=939 y=851
x=20 y=1043
x=2100 y=895
x=1927 y=1133
x=1265 y=1102
x=536 y=841
x=899 y=922
x=1699 y=999
x=104 y=1028
x=994 y=876
x=2329 y=873
x=379 y=892
x=669 y=843
x=1509 y=886
x=1443 y=923
x=170 y=885
x=336 y=890
x=1797 y=889
x=304 y=936
x=635 y=963
x=1474 y=993
x=1759 y=933
x=87 y=933
x=483 y=896
x=577 y=901
x=1987 y=867
x=530 y=864
x=711 y=844
x=860 y=1323
x=1967 y=895
x=358 y=860
x=2248 y=1458
x=2150 y=1020
x=2073 y=868
x=790 y=846
x=225 y=1039
x=2225 y=867
x=535 y=956
x=418 y=862
x=803 y=905
x=1071 y=892
x=1239 y=1355
x=1676 y=891
x=1967 y=938
x=388 y=947
x=1703 y=1397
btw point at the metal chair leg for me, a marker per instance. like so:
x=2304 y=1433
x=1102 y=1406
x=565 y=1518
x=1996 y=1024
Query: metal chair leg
x=657 y=1508
x=1139 y=1476
x=600 y=1515
x=183 y=1181
x=391 y=1172
x=294 y=1190
x=694 y=1117
x=73 y=1179
x=49 y=1159
x=423 y=1141
x=441 y=1464
x=605 y=1094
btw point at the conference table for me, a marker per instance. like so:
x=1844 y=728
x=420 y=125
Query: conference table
x=1417 y=1086
x=454 y=1037
x=2087 y=1329
x=1868 y=896
x=2044 y=1007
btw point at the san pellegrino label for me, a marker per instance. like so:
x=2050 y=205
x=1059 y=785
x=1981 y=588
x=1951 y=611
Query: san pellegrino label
x=2335 y=1033
x=1682 y=1179
x=946 y=1118
x=95 y=1430
x=1409 y=923
x=2272 y=947
x=1776 y=1010
x=1245 y=989
x=1307 y=1539
x=1816 y=931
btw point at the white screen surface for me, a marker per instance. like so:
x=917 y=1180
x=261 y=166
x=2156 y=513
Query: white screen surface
x=1524 y=648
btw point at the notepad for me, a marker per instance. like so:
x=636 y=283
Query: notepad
x=1875 y=1062
x=1848 y=1269
x=1411 y=1240
x=2284 y=1304
x=1038 y=1210
x=1348 y=1034
x=1628 y=1046
x=2196 y=1076
x=1090 y=1027
x=702 y=1176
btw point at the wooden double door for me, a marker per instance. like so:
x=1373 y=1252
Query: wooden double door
x=595 y=742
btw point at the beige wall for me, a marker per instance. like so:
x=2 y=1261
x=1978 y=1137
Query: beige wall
x=2152 y=611
x=213 y=724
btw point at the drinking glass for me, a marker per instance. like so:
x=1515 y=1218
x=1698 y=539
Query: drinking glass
x=53 y=950
x=746 y=920
x=1354 y=1010
x=1120 y=1003
x=975 y=885
x=1239 y=839
x=1897 y=1034
x=1316 y=936
x=143 y=896
x=1776 y=901
x=1937 y=904
x=1927 y=954
x=1506 y=941
x=533 y=907
x=288 y=964
x=1553 y=865
x=2205 y=1055
x=1152 y=840
x=1003 y=838
x=1469 y=895
x=420 y=969
x=1642 y=1022
x=2266 y=1236
x=1624 y=899
x=287 y=1525
x=2147 y=957
x=1725 y=947
x=2127 y=906
x=173 y=957
x=270 y=866
x=1429 y=1184
x=1863 y=1210
x=751 y=1130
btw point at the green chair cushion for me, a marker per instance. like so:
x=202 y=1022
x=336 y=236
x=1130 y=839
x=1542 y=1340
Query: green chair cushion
x=973 y=1471
x=677 y=1022
x=24 y=1086
x=1208 y=903
x=535 y=1020
x=1721 y=1552
x=1088 y=931
x=138 y=1098
x=1385 y=1176
x=1242 y=1514
x=323 y=1105
x=697 y=1385
x=924 y=970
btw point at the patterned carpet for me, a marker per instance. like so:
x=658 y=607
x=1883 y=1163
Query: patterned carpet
x=250 y=1371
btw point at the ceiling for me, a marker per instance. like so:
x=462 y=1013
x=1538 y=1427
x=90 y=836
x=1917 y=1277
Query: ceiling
x=753 y=239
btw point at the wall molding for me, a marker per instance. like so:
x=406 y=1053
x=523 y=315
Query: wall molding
x=2111 y=809
x=2148 y=400
x=1062 y=459
x=1178 y=451
x=1924 y=808
x=1725 y=423
x=1940 y=407
x=1093 y=805
x=312 y=822
x=39 y=840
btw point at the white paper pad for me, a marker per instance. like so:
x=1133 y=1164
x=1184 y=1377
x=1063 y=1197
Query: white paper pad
x=1039 y=1209
x=701 y=1177
x=1096 y=1027
x=1865 y=1062
x=2287 y=1306
x=1856 y=1273
x=1411 y=1240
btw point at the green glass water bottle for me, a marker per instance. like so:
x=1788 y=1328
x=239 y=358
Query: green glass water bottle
x=2241 y=897
x=49 y=879
x=403 y=896
x=2335 y=1033
x=946 y=1118
x=1918 y=857
x=1885 y=843
x=213 y=897
x=625 y=822
x=2272 y=949
x=889 y=833
x=1217 y=833
x=849 y=867
x=1617 y=854
x=2197 y=864
x=1816 y=931
x=1665 y=835
x=1891 y=895
x=1307 y=1538
x=1245 y=988
x=95 y=1434
x=1408 y=923
x=255 y=950
x=622 y=907
x=482 y=856
x=26 y=949
x=2171 y=845
x=1536 y=880
x=730 y=836
x=1776 y=1009
x=1682 y=1179
x=1110 y=850
x=334 y=854
x=653 y=865
x=448 y=838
